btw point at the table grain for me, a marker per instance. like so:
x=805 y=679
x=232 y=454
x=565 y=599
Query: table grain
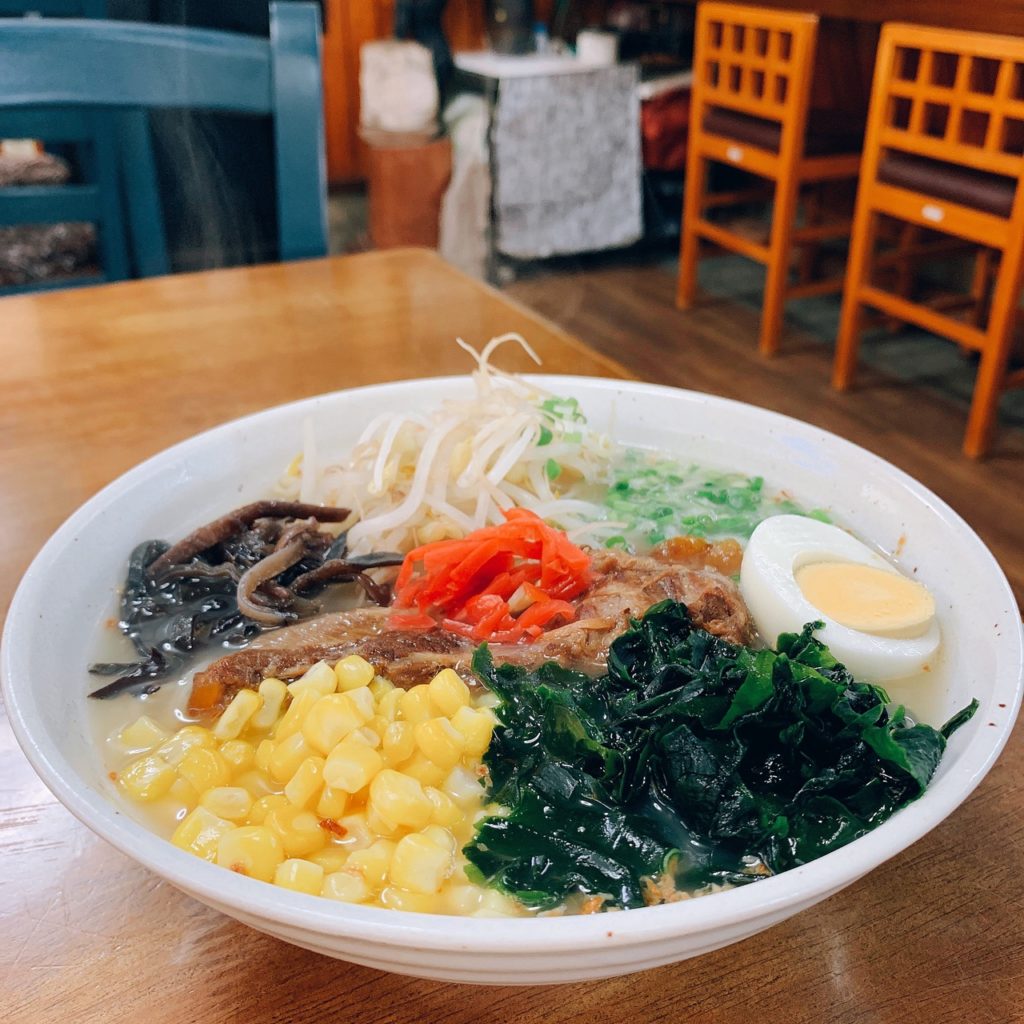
x=96 y=380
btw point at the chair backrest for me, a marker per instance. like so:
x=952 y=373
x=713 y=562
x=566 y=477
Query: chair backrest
x=756 y=61
x=74 y=65
x=951 y=96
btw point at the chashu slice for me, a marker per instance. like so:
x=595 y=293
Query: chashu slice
x=624 y=587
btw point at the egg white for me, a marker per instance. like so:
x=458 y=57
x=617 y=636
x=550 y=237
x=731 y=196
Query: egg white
x=777 y=549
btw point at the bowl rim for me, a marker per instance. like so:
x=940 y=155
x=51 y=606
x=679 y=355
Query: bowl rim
x=251 y=899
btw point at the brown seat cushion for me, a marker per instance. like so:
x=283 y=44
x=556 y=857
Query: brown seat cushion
x=981 y=190
x=829 y=132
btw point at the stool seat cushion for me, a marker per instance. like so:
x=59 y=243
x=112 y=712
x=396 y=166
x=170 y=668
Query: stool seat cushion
x=981 y=190
x=829 y=132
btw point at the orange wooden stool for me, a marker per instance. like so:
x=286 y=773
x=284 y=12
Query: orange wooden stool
x=750 y=108
x=945 y=151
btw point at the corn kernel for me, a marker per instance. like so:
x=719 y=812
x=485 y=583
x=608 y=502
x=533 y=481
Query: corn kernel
x=142 y=735
x=444 y=811
x=175 y=749
x=263 y=805
x=332 y=802
x=251 y=850
x=351 y=765
x=378 y=723
x=414 y=705
x=349 y=886
x=380 y=827
x=304 y=787
x=357 y=832
x=448 y=692
x=442 y=837
x=353 y=672
x=330 y=720
x=462 y=899
x=401 y=899
x=440 y=741
x=256 y=783
x=239 y=754
x=273 y=692
x=463 y=786
x=237 y=714
x=380 y=686
x=494 y=904
x=147 y=778
x=364 y=734
x=299 y=831
x=230 y=802
x=299 y=876
x=399 y=800
x=373 y=862
x=205 y=769
x=389 y=704
x=295 y=716
x=330 y=858
x=200 y=833
x=184 y=793
x=421 y=768
x=264 y=752
x=363 y=700
x=399 y=742
x=476 y=728
x=319 y=678
x=287 y=756
x=420 y=865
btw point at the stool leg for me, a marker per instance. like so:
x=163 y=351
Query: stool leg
x=979 y=284
x=994 y=357
x=689 y=243
x=858 y=271
x=777 y=277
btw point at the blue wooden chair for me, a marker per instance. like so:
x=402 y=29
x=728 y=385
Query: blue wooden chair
x=57 y=74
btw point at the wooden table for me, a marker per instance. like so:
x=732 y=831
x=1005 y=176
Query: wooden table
x=97 y=380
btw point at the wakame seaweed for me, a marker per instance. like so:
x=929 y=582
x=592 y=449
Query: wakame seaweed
x=693 y=759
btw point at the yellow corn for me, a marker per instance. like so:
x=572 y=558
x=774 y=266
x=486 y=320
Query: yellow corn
x=320 y=678
x=463 y=787
x=442 y=837
x=264 y=752
x=239 y=754
x=440 y=741
x=373 y=862
x=414 y=705
x=147 y=778
x=388 y=705
x=251 y=850
x=263 y=805
x=448 y=692
x=300 y=876
x=184 y=794
x=444 y=810
x=420 y=864
x=175 y=749
x=287 y=756
x=364 y=734
x=200 y=833
x=476 y=728
x=293 y=718
x=357 y=832
x=364 y=702
x=330 y=858
x=351 y=765
x=142 y=735
x=399 y=800
x=349 y=886
x=462 y=900
x=380 y=686
x=298 y=831
x=237 y=714
x=421 y=768
x=256 y=783
x=396 y=898
x=230 y=802
x=304 y=787
x=330 y=720
x=398 y=743
x=273 y=692
x=380 y=827
x=353 y=672
x=204 y=769
x=332 y=803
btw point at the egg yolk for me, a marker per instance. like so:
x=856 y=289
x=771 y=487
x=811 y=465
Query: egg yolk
x=866 y=598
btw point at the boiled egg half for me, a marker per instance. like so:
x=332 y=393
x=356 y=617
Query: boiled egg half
x=878 y=623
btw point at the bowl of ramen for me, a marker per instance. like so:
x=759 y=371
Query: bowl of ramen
x=513 y=680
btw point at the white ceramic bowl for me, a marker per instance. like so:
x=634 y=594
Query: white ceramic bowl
x=69 y=589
